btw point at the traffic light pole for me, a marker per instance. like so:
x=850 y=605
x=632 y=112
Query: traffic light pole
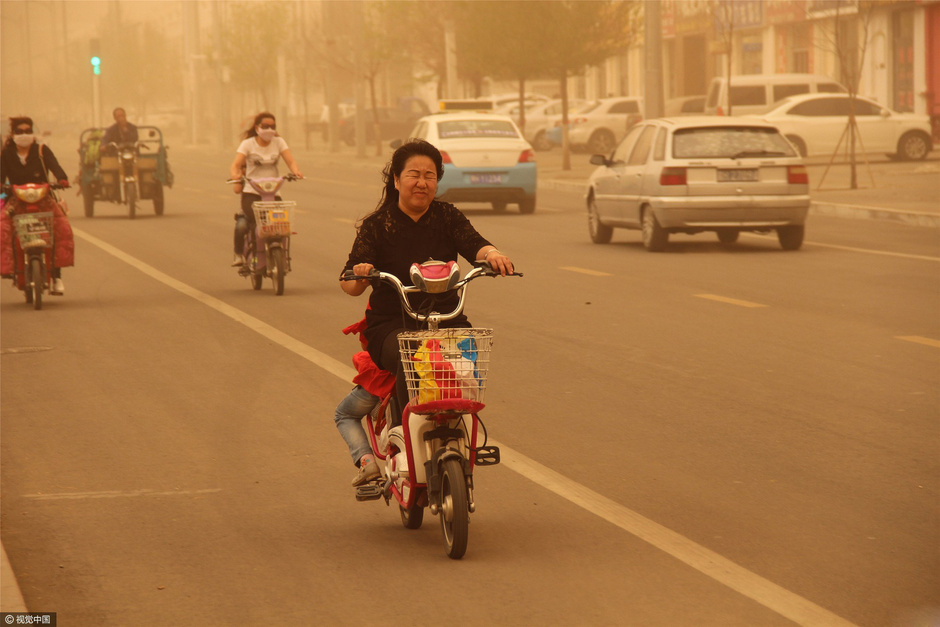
x=96 y=98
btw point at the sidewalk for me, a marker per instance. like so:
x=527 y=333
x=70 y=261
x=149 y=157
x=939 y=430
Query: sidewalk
x=907 y=192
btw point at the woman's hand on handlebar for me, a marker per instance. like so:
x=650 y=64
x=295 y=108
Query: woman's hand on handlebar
x=499 y=262
x=358 y=286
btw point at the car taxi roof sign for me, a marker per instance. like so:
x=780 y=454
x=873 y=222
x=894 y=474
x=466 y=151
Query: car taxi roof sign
x=466 y=105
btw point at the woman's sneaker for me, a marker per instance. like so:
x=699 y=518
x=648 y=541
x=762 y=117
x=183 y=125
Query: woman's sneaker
x=239 y=260
x=367 y=472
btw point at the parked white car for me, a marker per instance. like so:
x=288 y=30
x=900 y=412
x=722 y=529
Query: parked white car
x=816 y=123
x=599 y=125
x=542 y=118
x=699 y=173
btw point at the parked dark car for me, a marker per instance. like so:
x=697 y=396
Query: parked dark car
x=394 y=122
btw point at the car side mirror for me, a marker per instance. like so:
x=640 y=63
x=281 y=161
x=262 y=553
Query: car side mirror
x=599 y=160
x=395 y=144
x=886 y=113
x=152 y=133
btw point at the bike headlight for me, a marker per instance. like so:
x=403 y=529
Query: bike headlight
x=30 y=193
x=268 y=186
x=127 y=155
x=435 y=277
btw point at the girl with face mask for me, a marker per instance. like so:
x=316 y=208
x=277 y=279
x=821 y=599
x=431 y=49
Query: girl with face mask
x=24 y=160
x=257 y=157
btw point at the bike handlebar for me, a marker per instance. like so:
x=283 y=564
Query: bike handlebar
x=480 y=268
x=290 y=176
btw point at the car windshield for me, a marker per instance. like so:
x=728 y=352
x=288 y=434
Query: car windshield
x=731 y=142
x=462 y=129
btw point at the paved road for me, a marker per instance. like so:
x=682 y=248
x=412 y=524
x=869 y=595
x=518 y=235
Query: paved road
x=707 y=437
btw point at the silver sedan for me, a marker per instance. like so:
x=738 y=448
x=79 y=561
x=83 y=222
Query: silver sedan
x=695 y=174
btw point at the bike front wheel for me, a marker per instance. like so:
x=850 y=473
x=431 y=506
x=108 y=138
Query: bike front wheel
x=455 y=513
x=36 y=281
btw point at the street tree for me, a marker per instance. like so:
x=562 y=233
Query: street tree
x=255 y=34
x=848 y=39
x=575 y=35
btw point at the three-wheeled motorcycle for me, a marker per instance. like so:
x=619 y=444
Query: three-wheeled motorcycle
x=124 y=173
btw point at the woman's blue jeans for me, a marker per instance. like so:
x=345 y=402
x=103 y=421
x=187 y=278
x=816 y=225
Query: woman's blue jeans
x=348 y=417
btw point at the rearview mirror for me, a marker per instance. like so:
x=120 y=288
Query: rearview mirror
x=395 y=144
x=153 y=133
x=599 y=160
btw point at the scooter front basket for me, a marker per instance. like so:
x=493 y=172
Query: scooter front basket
x=34 y=229
x=273 y=217
x=446 y=365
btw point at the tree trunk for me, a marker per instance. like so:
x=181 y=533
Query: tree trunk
x=565 y=154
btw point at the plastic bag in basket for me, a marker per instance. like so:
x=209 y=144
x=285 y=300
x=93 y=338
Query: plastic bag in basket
x=436 y=376
x=464 y=361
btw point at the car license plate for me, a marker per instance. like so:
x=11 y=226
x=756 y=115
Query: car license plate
x=486 y=179
x=733 y=176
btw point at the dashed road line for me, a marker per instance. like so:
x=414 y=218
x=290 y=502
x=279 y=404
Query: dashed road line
x=116 y=494
x=730 y=301
x=926 y=341
x=585 y=271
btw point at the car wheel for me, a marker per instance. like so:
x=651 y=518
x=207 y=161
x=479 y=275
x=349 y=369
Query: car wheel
x=655 y=237
x=791 y=237
x=600 y=232
x=913 y=146
x=728 y=236
x=527 y=205
x=798 y=143
x=541 y=142
x=602 y=142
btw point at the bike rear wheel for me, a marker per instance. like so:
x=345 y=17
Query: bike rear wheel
x=130 y=191
x=35 y=283
x=411 y=517
x=278 y=269
x=455 y=513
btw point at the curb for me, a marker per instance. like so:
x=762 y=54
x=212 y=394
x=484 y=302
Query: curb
x=11 y=599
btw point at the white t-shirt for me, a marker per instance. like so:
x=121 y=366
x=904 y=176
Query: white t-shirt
x=261 y=161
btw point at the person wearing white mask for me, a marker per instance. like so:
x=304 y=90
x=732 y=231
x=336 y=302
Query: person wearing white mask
x=24 y=160
x=257 y=157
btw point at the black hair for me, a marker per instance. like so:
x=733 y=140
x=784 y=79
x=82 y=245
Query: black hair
x=252 y=131
x=14 y=122
x=396 y=166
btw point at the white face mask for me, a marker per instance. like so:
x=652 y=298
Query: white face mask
x=267 y=134
x=24 y=140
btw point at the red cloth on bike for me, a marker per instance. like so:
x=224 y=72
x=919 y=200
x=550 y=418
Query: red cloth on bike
x=62 y=230
x=373 y=379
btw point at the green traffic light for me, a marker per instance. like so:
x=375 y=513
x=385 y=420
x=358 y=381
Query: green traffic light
x=96 y=63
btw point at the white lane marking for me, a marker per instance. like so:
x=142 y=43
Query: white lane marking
x=708 y=562
x=721 y=569
x=919 y=340
x=585 y=271
x=868 y=251
x=262 y=328
x=115 y=494
x=730 y=301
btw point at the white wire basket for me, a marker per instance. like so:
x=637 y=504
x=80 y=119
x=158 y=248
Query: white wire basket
x=273 y=217
x=34 y=229
x=447 y=364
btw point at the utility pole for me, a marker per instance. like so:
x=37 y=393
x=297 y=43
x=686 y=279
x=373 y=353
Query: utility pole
x=450 y=56
x=653 y=53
